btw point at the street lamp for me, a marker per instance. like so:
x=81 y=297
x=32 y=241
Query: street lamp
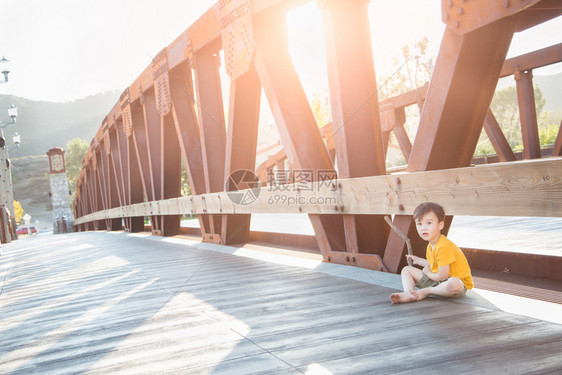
x=13 y=113
x=16 y=139
x=5 y=72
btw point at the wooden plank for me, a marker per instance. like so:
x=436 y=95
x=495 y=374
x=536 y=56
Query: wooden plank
x=522 y=188
x=118 y=308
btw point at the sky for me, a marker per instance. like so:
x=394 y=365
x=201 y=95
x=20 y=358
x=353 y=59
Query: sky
x=62 y=50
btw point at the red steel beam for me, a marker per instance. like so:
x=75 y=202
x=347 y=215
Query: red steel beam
x=496 y=136
x=299 y=132
x=187 y=130
x=102 y=182
x=459 y=95
x=400 y=133
x=355 y=112
x=134 y=191
x=152 y=122
x=241 y=145
x=116 y=165
x=171 y=173
x=124 y=168
x=557 y=150
x=532 y=60
x=101 y=224
x=212 y=128
x=113 y=198
x=528 y=115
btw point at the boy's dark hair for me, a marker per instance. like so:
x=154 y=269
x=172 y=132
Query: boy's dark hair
x=427 y=207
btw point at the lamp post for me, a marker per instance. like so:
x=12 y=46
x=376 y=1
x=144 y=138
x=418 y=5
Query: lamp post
x=6 y=190
x=5 y=70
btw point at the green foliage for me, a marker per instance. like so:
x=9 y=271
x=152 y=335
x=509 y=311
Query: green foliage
x=185 y=186
x=321 y=110
x=76 y=150
x=547 y=135
x=505 y=108
x=410 y=70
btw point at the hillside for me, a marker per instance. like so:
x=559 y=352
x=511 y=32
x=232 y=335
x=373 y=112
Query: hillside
x=30 y=176
x=551 y=87
x=44 y=125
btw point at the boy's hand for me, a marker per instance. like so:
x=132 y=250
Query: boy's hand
x=412 y=257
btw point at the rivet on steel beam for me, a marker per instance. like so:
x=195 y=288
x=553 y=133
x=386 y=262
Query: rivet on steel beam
x=401 y=207
x=347 y=259
x=339 y=185
x=450 y=3
x=457 y=23
x=336 y=207
x=341 y=208
x=506 y=3
x=300 y=209
x=461 y=10
x=446 y=16
x=353 y=259
x=329 y=259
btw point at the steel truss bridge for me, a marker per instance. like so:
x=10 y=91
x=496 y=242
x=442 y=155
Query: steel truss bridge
x=173 y=114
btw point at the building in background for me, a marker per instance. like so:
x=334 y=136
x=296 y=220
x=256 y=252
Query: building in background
x=62 y=212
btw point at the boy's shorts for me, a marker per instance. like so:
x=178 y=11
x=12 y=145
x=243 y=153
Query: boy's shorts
x=426 y=282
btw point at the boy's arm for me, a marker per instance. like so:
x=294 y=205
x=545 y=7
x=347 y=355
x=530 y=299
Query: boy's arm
x=417 y=260
x=442 y=274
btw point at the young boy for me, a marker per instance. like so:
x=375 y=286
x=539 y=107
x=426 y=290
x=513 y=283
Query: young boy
x=445 y=271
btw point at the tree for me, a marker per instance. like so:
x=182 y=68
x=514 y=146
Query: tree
x=18 y=212
x=321 y=109
x=76 y=150
x=410 y=70
x=505 y=108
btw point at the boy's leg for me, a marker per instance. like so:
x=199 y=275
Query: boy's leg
x=410 y=275
x=447 y=288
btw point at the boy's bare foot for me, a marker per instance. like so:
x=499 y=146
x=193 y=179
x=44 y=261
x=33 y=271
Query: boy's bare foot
x=420 y=294
x=402 y=297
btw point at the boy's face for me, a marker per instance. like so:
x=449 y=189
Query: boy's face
x=429 y=227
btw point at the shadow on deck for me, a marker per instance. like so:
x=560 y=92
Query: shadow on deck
x=102 y=302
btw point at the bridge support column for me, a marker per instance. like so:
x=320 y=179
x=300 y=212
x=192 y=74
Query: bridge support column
x=212 y=130
x=355 y=112
x=187 y=130
x=459 y=95
x=241 y=145
x=299 y=131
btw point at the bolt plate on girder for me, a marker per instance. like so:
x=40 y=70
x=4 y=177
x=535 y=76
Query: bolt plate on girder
x=162 y=83
x=237 y=36
x=463 y=16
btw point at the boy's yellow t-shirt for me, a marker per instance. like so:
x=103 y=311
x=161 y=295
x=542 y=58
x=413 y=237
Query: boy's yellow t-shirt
x=447 y=253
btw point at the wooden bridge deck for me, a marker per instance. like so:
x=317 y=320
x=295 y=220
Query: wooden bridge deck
x=102 y=303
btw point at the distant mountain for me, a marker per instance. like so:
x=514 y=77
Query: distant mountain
x=44 y=125
x=551 y=87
